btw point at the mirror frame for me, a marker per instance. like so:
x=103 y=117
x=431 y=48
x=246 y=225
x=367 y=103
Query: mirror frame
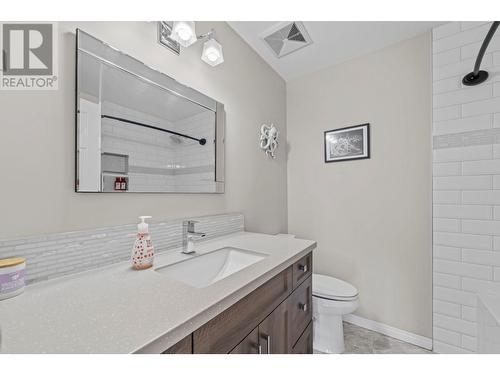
x=90 y=45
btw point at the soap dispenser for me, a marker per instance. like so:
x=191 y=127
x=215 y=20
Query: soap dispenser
x=143 y=252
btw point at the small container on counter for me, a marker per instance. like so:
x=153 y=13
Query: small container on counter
x=12 y=273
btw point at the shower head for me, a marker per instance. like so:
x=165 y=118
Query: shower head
x=479 y=76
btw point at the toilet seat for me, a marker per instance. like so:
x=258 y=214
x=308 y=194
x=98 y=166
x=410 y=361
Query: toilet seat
x=330 y=288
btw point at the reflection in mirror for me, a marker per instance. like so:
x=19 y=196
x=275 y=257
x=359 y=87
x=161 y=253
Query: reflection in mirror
x=138 y=130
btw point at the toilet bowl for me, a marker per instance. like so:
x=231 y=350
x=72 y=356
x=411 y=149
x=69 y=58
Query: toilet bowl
x=332 y=298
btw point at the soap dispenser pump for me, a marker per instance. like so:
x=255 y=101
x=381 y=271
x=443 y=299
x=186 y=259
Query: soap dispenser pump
x=143 y=252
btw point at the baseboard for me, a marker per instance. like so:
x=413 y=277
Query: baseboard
x=412 y=338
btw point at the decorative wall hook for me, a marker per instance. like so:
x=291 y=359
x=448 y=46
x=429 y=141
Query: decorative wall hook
x=269 y=139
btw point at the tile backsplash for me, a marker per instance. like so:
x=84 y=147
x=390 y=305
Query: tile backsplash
x=54 y=255
x=466 y=188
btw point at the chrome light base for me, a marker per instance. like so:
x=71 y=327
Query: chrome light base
x=164 y=31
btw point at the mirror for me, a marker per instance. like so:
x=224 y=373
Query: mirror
x=138 y=130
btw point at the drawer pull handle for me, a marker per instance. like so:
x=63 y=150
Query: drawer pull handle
x=268 y=343
x=259 y=349
x=303 y=267
x=303 y=306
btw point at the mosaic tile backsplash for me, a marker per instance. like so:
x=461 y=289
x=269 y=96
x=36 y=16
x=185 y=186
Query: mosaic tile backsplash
x=54 y=255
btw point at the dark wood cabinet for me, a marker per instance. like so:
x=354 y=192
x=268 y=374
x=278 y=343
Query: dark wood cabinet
x=274 y=337
x=302 y=269
x=305 y=343
x=276 y=318
x=185 y=346
x=226 y=330
x=249 y=345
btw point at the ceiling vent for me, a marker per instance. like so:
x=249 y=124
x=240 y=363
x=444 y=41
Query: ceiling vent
x=286 y=38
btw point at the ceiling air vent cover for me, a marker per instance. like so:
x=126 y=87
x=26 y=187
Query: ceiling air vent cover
x=286 y=38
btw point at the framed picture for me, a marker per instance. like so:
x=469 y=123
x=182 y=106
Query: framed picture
x=348 y=143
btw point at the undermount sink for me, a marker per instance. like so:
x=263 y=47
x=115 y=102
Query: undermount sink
x=206 y=269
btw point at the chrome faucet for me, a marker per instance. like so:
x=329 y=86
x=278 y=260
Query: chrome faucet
x=189 y=235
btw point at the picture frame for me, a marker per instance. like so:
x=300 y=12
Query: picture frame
x=348 y=143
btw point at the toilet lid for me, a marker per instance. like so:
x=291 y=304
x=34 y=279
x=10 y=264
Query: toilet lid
x=332 y=288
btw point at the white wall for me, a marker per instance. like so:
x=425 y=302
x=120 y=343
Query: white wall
x=37 y=139
x=466 y=183
x=371 y=218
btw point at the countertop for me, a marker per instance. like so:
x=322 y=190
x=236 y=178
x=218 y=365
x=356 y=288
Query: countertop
x=116 y=309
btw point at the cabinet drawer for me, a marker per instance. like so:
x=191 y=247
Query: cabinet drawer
x=300 y=309
x=249 y=345
x=229 y=328
x=185 y=346
x=305 y=343
x=302 y=269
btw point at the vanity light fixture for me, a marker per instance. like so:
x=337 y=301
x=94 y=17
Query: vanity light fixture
x=183 y=33
x=212 y=52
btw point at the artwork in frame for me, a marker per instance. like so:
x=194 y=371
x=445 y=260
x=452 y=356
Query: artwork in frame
x=350 y=143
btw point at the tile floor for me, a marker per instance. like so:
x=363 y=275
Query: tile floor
x=363 y=341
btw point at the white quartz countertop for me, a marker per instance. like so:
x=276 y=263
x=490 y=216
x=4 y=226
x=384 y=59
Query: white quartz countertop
x=116 y=309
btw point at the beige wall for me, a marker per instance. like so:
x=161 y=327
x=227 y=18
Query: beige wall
x=37 y=140
x=371 y=218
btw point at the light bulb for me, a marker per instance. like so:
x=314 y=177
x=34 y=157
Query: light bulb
x=184 y=33
x=212 y=53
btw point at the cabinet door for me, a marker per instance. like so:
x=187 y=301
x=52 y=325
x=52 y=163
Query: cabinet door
x=249 y=345
x=274 y=337
x=305 y=343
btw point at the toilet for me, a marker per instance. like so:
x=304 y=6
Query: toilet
x=332 y=298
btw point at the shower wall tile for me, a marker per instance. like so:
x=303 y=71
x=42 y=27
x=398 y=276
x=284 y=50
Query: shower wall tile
x=466 y=188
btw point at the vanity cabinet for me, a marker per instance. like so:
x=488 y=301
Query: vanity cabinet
x=275 y=318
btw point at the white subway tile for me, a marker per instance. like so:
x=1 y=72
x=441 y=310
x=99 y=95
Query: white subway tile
x=455 y=324
x=460 y=68
x=465 y=25
x=496 y=120
x=446 y=84
x=463 y=153
x=496 y=274
x=496 y=89
x=455 y=296
x=447 y=169
x=447 y=336
x=447 y=252
x=471 y=50
x=496 y=243
x=464 y=95
x=443 y=348
x=446 y=225
x=447 y=113
x=447 y=308
x=446 y=280
x=463 y=125
x=485 y=257
x=481 y=167
x=481 y=107
x=496 y=58
x=447 y=57
x=481 y=197
x=462 y=182
x=446 y=197
x=496 y=213
x=469 y=313
x=480 y=286
x=491 y=227
x=463 y=240
x=469 y=342
x=445 y=30
x=463 y=212
x=459 y=39
x=463 y=269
